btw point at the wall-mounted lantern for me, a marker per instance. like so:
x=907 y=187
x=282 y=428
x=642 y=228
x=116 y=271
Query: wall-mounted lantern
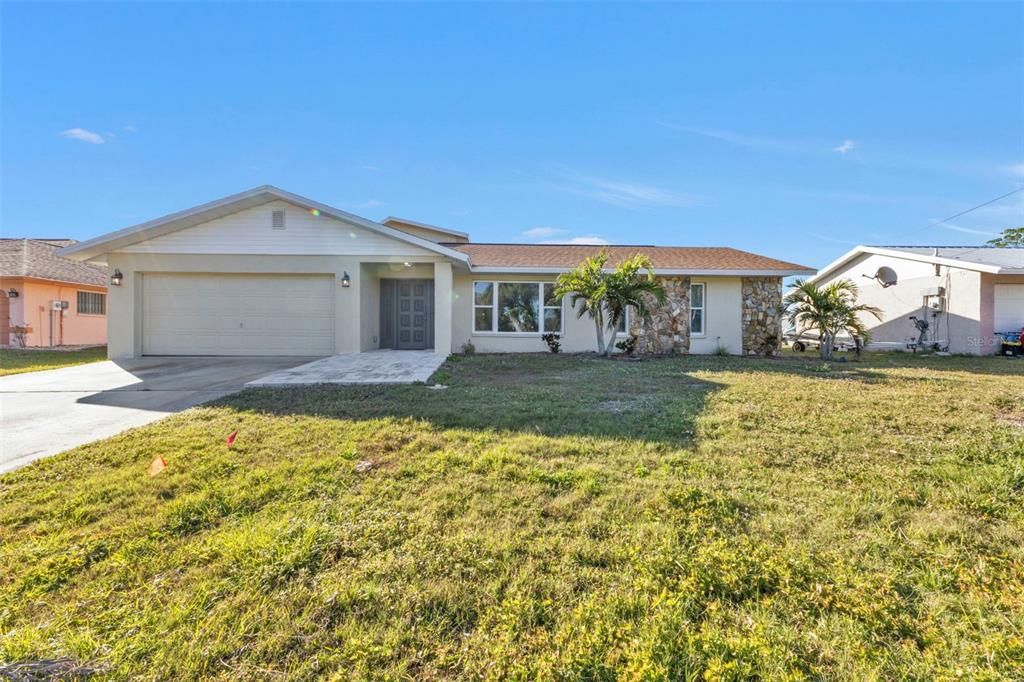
x=13 y=293
x=346 y=281
x=116 y=278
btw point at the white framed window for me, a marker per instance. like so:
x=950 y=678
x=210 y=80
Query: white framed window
x=516 y=308
x=623 y=327
x=697 y=304
x=91 y=303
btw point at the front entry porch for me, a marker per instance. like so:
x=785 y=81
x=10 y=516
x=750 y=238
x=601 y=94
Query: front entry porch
x=371 y=367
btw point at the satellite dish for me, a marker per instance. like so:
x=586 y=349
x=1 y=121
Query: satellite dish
x=885 y=276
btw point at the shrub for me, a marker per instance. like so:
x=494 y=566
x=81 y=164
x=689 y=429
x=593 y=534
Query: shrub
x=627 y=345
x=553 y=341
x=468 y=348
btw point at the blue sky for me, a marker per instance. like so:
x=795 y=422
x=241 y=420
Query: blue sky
x=793 y=130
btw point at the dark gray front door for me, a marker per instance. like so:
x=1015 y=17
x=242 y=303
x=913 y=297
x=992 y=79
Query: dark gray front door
x=407 y=314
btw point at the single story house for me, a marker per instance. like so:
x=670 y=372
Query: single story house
x=267 y=272
x=967 y=294
x=47 y=300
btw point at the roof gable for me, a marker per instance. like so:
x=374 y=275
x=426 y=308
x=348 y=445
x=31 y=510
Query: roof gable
x=431 y=232
x=236 y=203
x=988 y=259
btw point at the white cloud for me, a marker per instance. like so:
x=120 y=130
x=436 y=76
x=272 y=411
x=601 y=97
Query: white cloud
x=131 y=129
x=543 y=232
x=621 y=194
x=372 y=203
x=1015 y=169
x=846 y=146
x=730 y=136
x=83 y=135
x=965 y=230
x=580 y=241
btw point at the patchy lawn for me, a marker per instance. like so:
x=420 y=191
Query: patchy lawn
x=544 y=517
x=20 y=360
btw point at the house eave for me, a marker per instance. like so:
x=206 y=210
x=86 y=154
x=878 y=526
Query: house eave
x=498 y=269
x=917 y=257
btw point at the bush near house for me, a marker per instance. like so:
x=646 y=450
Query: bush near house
x=544 y=517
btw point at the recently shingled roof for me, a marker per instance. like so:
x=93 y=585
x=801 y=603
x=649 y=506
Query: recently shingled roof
x=671 y=258
x=38 y=259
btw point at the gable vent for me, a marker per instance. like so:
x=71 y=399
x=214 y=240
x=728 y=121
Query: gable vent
x=277 y=220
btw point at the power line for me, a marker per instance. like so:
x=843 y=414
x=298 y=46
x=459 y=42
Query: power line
x=975 y=208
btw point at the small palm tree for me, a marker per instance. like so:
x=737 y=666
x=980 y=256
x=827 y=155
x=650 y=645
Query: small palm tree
x=831 y=310
x=605 y=296
x=632 y=285
x=586 y=287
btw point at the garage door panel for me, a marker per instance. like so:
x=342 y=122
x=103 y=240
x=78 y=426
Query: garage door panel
x=210 y=314
x=1009 y=307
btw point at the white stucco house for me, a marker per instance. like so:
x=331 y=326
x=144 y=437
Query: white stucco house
x=966 y=293
x=268 y=272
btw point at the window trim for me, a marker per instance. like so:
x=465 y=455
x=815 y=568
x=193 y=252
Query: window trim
x=494 y=331
x=703 y=308
x=78 y=302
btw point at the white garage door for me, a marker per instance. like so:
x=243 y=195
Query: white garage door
x=1009 y=313
x=203 y=314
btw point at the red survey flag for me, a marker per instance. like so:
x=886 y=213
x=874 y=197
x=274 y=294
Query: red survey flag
x=232 y=437
x=157 y=465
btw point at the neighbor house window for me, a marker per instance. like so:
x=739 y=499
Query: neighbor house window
x=91 y=303
x=516 y=307
x=697 y=309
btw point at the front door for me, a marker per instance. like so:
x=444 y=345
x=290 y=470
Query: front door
x=407 y=314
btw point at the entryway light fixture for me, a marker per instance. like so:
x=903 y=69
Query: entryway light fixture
x=13 y=293
x=407 y=264
x=346 y=281
x=116 y=278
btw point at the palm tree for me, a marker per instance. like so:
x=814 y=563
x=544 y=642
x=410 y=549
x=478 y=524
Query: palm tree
x=831 y=310
x=586 y=287
x=632 y=285
x=605 y=296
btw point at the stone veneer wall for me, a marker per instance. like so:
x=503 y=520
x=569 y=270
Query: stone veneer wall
x=762 y=316
x=667 y=330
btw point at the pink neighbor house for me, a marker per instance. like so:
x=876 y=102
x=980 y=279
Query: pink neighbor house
x=52 y=301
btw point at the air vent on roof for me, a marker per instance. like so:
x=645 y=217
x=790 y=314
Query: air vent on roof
x=277 y=220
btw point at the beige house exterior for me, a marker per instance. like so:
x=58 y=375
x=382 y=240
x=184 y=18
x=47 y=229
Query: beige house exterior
x=267 y=272
x=967 y=294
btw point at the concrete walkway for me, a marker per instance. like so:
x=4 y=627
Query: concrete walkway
x=43 y=413
x=372 y=367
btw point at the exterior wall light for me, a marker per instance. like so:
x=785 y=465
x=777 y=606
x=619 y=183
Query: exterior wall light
x=13 y=293
x=116 y=278
x=346 y=281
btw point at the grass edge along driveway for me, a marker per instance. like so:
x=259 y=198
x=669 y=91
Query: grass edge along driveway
x=22 y=360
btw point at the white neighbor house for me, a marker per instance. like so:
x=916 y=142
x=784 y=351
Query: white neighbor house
x=267 y=272
x=966 y=293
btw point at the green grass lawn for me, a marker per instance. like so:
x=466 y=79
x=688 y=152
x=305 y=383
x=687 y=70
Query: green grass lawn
x=19 y=360
x=544 y=517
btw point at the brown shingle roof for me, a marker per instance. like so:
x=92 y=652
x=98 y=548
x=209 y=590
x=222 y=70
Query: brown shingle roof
x=662 y=257
x=31 y=258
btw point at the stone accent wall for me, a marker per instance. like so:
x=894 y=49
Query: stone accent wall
x=667 y=330
x=762 y=319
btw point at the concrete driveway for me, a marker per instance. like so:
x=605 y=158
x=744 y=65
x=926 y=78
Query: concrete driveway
x=43 y=413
